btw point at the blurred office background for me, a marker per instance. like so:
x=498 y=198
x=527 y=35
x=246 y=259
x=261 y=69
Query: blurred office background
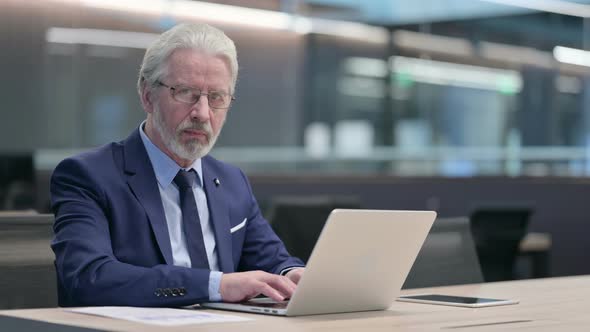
x=451 y=105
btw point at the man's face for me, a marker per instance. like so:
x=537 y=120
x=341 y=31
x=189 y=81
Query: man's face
x=188 y=131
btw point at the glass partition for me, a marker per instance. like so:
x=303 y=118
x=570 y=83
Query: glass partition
x=499 y=95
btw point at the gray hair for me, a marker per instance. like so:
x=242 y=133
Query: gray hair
x=199 y=36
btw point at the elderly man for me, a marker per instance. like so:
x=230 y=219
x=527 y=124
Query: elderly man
x=153 y=220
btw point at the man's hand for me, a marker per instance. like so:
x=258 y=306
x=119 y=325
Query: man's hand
x=241 y=286
x=295 y=274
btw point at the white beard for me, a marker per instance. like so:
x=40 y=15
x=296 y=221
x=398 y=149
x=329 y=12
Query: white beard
x=192 y=149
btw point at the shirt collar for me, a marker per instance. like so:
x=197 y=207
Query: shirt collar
x=164 y=167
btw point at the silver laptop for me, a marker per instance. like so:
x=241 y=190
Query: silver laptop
x=359 y=263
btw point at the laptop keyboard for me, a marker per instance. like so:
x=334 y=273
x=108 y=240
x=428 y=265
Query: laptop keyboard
x=267 y=303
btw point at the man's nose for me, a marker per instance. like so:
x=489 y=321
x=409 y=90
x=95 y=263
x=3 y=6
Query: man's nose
x=200 y=109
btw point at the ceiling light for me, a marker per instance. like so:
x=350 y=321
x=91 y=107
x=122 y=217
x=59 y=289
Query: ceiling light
x=552 y=6
x=572 y=56
x=100 y=37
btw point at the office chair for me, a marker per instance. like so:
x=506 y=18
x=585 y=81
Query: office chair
x=17 y=179
x=298 y=220
x=447 y=257
x=497 y=232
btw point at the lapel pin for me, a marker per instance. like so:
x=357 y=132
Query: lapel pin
x=217 y=182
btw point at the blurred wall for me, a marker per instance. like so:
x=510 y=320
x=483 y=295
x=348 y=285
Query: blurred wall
x=57 y=95
x=559 y=205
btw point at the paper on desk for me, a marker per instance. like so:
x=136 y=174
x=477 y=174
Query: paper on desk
x=159 y=316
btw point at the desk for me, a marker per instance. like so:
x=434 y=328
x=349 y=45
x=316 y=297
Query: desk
x=554 y=304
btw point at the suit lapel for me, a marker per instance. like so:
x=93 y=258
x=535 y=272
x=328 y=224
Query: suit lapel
x=142 y=181
x=219 y=214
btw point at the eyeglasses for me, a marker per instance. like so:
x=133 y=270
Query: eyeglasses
x=188 y=95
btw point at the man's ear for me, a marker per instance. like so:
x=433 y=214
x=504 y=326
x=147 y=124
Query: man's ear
x=147 y=98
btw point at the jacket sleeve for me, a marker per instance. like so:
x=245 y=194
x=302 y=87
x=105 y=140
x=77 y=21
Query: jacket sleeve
x=88 y=271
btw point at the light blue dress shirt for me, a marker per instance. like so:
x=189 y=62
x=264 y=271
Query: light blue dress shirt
x=166 y=169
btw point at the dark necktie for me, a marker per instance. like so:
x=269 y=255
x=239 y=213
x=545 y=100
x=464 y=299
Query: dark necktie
x=190 y=219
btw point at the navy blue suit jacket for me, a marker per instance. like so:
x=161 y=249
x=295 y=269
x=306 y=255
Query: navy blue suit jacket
x=111 y=238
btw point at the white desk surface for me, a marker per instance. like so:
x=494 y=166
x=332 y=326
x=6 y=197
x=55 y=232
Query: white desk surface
x=553 y=304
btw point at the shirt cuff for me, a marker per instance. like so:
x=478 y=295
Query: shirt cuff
x=214 y=283
x=286 y=270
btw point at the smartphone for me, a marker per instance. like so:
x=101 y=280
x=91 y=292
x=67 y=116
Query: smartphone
x=460 y=301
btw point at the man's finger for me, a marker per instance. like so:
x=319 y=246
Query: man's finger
x=283 y=285
x=269 y=291
x=295 y=275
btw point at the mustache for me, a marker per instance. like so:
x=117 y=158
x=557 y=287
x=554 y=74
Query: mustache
x=194 y=125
